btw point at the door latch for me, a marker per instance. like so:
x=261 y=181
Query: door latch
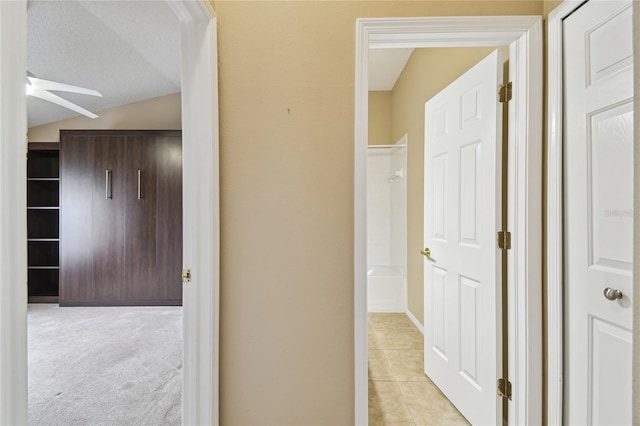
x=186 y=276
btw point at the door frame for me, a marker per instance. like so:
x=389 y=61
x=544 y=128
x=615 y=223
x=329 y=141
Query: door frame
x=524 y=36
x=201 y=227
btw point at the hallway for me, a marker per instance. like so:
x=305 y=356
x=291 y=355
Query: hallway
x=399 y=391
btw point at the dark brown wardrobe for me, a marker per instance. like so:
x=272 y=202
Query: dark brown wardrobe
x=120 y=218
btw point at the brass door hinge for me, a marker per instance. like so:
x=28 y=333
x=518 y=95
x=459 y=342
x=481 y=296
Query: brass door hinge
x=504 y=240
x=186 y=276
x=504 y=388
x=505 y=92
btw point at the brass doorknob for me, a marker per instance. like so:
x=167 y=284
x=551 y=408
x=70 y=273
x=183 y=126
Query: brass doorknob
x=426 y=252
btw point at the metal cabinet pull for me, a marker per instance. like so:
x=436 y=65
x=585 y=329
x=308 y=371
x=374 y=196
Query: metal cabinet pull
x=108 y=192
x=139 y=184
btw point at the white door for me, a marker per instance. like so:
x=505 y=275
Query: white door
x=598 y=213
x=462 y=275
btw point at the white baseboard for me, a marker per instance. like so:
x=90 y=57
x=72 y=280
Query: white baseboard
x=415 y=321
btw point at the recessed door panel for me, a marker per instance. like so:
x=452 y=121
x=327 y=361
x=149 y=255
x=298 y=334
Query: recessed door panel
x=468 y=294
x=610 y=348
x=469 y=209
x=609 y=173
x=439 y=196
x=439 y=312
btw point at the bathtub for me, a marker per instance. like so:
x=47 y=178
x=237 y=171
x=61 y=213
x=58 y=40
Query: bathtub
x=386 y=289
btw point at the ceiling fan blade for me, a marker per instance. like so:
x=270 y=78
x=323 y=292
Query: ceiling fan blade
x=48 y=96
x=40 y=84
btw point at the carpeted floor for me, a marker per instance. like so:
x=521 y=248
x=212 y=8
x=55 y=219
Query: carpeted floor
x=105 y=365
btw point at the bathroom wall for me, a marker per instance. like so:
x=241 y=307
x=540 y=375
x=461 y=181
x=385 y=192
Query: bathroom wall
x=378 y=207
x=380 y=118
x=398 y=210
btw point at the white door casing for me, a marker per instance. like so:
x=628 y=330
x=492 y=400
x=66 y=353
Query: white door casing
x=598 y=213
x=523 y=35
x=462 y=209
x=201 y=212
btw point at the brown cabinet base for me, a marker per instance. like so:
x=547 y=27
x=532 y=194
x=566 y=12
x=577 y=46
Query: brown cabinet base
x=70 y=303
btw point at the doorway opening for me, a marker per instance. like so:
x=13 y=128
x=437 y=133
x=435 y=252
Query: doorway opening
x=524 y=37
x=200 y=206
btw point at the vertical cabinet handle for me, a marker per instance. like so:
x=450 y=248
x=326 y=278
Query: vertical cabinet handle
x=108 y=192
x=139 y=184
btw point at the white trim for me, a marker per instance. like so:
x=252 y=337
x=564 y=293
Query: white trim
x=555 y=249
x=201 y=212
x=13 y=221
x=415 y=321
x=524 y=34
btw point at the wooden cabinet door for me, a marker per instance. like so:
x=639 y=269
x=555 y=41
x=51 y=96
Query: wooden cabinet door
x=91 y=219
x=168 y=157
x=141 y=195
x=109 y=201
x=76 y=219
x=121 y=218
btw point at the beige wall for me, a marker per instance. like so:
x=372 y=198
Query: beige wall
x=549 y=5
x=162 y=113
x=286 y=123
x=380 y=118
x=427 y=72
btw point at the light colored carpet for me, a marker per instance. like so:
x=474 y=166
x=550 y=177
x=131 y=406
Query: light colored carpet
x=105 y=365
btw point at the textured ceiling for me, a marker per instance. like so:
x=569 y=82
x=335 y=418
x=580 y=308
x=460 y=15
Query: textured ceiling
x=127 y=50
x=385 y=66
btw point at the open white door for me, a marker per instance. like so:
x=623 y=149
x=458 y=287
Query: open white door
x=462 y=274
x=598 y=213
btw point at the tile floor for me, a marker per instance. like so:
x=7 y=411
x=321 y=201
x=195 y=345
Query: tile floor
x=399 y=391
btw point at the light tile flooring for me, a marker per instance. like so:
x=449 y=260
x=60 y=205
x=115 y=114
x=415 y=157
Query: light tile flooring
x=399 y=391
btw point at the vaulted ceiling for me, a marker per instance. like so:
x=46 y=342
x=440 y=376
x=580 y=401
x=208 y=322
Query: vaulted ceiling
x=127 y=50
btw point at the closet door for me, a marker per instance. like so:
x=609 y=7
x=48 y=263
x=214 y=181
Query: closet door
x=92 y=233
x=109 y=200
x=76 y=219
x=168 y=155
x=141 y=218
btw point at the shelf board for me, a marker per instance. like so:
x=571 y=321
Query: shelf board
x=43 y=267
x=44 y=208
x=43 y=239
x=43 y=299
x=44 y=179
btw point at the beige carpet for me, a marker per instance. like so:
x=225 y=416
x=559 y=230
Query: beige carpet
x=105 y=365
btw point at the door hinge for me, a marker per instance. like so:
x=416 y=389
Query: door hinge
x=504 y=240
x=504 y=388
x=505 y=93
x=186 y=276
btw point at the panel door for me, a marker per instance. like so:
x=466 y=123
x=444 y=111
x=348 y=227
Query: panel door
x=463 y=348
x=168 y=157
x=76 y=219
x=141 y=218
x=598 y=213
x=108 y=230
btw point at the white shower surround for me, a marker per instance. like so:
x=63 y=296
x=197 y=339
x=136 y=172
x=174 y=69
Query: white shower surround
x=387 y=228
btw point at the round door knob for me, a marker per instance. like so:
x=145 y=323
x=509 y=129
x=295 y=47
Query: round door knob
x=426 y=252
x=612 y=293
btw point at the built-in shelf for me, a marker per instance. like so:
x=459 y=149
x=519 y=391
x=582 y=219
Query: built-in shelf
x=43 y=217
